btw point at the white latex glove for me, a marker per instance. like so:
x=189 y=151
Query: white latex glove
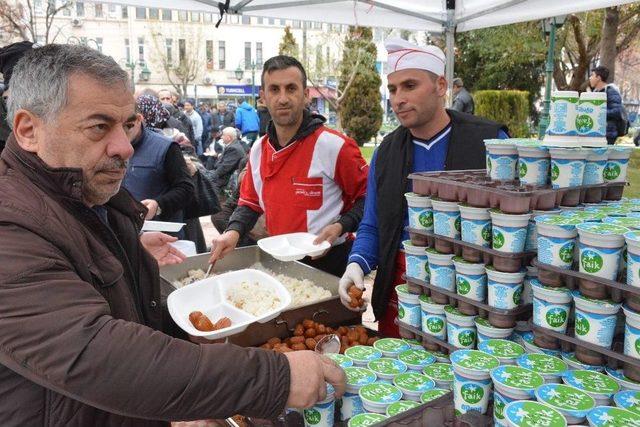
x=353 y=275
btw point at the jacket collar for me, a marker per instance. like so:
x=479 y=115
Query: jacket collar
x=310 y=122
x=64 y=183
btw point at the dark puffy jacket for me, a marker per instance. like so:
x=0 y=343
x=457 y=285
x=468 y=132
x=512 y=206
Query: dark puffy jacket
x=614 y=110
x=81 y=318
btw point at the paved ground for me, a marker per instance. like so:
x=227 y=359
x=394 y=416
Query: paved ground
x=367 y=318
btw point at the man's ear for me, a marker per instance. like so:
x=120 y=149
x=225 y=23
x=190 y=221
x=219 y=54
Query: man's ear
x=441 y=85
x=26 y=126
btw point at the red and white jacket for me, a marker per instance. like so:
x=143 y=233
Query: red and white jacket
x=306 y=185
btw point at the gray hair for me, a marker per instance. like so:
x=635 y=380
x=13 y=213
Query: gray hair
x=41 y=78
x=230 y=131
x=457 y=82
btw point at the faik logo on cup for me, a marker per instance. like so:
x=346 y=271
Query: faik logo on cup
x=556 y=317
x=591 y=261
x=466 y=338
x=456 y=224
x=522 y=169
x=582 y=325
x=312 y=416
x=611 y=171
x=566 y=252
x=555 y=172
x=517 y=294
x=463 y=286
x=584 y=123
x=486 y=233
x=498 y=239
x=401 y=312
x=426 y=219
x=435 y=324
x=472 y=393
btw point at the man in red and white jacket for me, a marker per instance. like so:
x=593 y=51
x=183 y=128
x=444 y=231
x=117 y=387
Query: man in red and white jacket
x=303 y=175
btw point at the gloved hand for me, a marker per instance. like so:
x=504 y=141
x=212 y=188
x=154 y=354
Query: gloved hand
x=353 y=275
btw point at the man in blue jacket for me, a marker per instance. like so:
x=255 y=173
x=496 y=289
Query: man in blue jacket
x=247 y=121
x=598 y=82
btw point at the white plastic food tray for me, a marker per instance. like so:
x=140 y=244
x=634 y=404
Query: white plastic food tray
x=167 y=227
x=209 y=296
x=292 y=247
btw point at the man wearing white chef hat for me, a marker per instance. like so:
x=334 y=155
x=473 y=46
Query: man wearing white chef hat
x=430 y=138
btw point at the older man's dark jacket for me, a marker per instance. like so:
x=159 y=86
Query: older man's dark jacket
x=81 y=341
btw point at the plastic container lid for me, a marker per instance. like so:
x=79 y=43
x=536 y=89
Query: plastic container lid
x=413 y=382
x=592 y=382
x=609 y=416
x=566 y=399
x=502 y=349
x=593 y=305
x=380 y=393
x=387 y=366
x=391 y=345
x=416 y=358
x=403 y=291
x=293 y=246
x=627 y=222
x=602 y=229
x=358 y=377
x=629 y=400
x=442 y=372
x=473 y=361
x=542 y=363
x=527 y=413
x=564 y=221
x=366 y=419
x=362 y=353
x=515 y=377
x=342 y=360
x=433 y=394
x=400 y=407
x=624 y=381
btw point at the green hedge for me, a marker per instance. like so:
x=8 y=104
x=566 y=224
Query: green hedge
x=510 y=107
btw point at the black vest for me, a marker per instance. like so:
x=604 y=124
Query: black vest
x=393 y=166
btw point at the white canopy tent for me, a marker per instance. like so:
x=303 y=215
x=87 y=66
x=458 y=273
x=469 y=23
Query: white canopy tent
x=436 y=16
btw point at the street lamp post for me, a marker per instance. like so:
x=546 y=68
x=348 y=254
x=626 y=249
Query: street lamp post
x=240 y=73
x=144 y=75
x=549 y=27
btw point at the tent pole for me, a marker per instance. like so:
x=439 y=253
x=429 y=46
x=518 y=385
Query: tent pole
x=450 y=35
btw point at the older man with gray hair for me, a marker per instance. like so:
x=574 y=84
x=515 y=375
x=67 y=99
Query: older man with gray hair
x=227 y=162
x=81 y=323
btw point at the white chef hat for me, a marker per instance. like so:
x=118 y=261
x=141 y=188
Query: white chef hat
x=403 y=55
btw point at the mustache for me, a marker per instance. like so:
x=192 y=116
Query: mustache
x=113 y=164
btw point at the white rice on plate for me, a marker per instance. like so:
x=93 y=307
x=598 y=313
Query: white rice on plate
x=253 y=298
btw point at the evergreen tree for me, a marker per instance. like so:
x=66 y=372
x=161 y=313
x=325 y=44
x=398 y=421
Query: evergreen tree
x=288 y=45
x=360 y=109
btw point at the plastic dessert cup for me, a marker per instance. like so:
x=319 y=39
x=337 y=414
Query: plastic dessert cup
x=461 y=329
x=434 y=321
x=509 y=232
x=472 y=380
x=420 y=212
x=551 y=307
x=571 y=402
x=504 y=289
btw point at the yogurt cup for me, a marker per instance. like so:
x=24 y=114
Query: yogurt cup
x=632 y=238
x=557 y=239
x=530 y=347
x=528 y=413
x=366 y=420
x=623 y=381
x=413 y=344
x=408 y=307
x=400 y=407
x=486 y=331
x=599 y=386
x=591 y=117
x=550 y=367
x=595 y=165
x=322 y=413
x=623 y=221
x=413 y=384
x=509 y=232
x=575 y=365
x=629 y=400
x=441 y=270
x=433 y=394
x=378 y=396
x=617 y=164
x=461 y=329
x=531 y=244
x=420 y=212
x=631 y=333
x=502 y=157
x=551 y=306
x=446 y=218
x=416 y=360
x=571 y=402
x=342 y=360
x=608 y=210
x=416 y=261
x=512 y=383
x=362 y=354
x=441 y=373
x=507 y=352
x=356 y=379
x=533 y=165
x=471 y=279
x=600 y=249
x=441 y=357
x=567 y=167
x=562 y=116
x=472 y=380
x=391 y=347
x=610 y=416
x=434 y=321
x=595 y=320
x=504 y=289
x=475 y=225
